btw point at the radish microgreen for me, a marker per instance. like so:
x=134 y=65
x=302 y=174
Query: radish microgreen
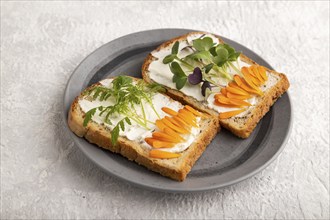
x=179 y=76
x=213 y=60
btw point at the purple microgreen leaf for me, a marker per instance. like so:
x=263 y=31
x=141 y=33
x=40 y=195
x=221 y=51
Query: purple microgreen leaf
x=196 y=77
x=205 y=85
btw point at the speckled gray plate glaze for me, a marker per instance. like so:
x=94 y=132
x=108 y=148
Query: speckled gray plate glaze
x=227 y=160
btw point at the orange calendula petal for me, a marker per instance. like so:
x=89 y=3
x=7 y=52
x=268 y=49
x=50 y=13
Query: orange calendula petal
x=216 y=96
x=262 y=72
x=165 y=137
x=236 y=86
x=224 y=115
x=223 y=91
x=181 y=122
x=163 y=154
x=187 y=120
x=227 y=105
x=253 y=76
x=239 y=102
x=232 y=84
x=255 y=80
x=155 y=143
x=236 y=90
x=249 y=89
x=174 y=127
x=172 y=133
x=255 y=70
x=150 y=140
x=173 y=121
x=169 y=111
x=192 y=110
x=248 y=80
x=163 y=144
x=235 y=96
x=222 y=99
x=188 y=114
x=251 y=71
x=238 y=80
x=187 y=117
x=247 y=77
x=220 y=103
x=160 y=125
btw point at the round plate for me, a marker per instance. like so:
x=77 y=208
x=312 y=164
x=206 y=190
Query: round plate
x=227 y=160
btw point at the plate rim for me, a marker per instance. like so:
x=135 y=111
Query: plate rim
x=171 y=189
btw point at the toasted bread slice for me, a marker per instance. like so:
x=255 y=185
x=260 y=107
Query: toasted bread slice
x=241 y=125
x=175 y=168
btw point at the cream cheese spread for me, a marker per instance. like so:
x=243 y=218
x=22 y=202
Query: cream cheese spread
x=136 y=132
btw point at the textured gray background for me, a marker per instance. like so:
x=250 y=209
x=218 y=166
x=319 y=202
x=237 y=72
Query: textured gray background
x=43 y=175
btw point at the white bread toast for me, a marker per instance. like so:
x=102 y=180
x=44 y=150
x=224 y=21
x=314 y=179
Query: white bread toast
x=175 y=168
x=242 y=126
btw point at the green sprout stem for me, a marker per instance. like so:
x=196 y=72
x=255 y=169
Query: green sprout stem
x=224 y=73
x=153 y=108
x=137 y=119
x=238 y=64
x=186 y=64
x=235 y=68
x=143 y=113
x=212 y=81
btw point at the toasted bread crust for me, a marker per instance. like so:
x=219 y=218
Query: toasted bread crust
x=176 y=168
x=255 y=116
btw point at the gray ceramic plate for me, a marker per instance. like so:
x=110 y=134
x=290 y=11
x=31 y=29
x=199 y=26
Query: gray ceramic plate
x=227 y=160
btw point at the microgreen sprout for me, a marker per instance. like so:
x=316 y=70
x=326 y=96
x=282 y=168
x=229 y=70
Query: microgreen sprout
x=207 y=63
x=127 y=95
x=174 y=56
